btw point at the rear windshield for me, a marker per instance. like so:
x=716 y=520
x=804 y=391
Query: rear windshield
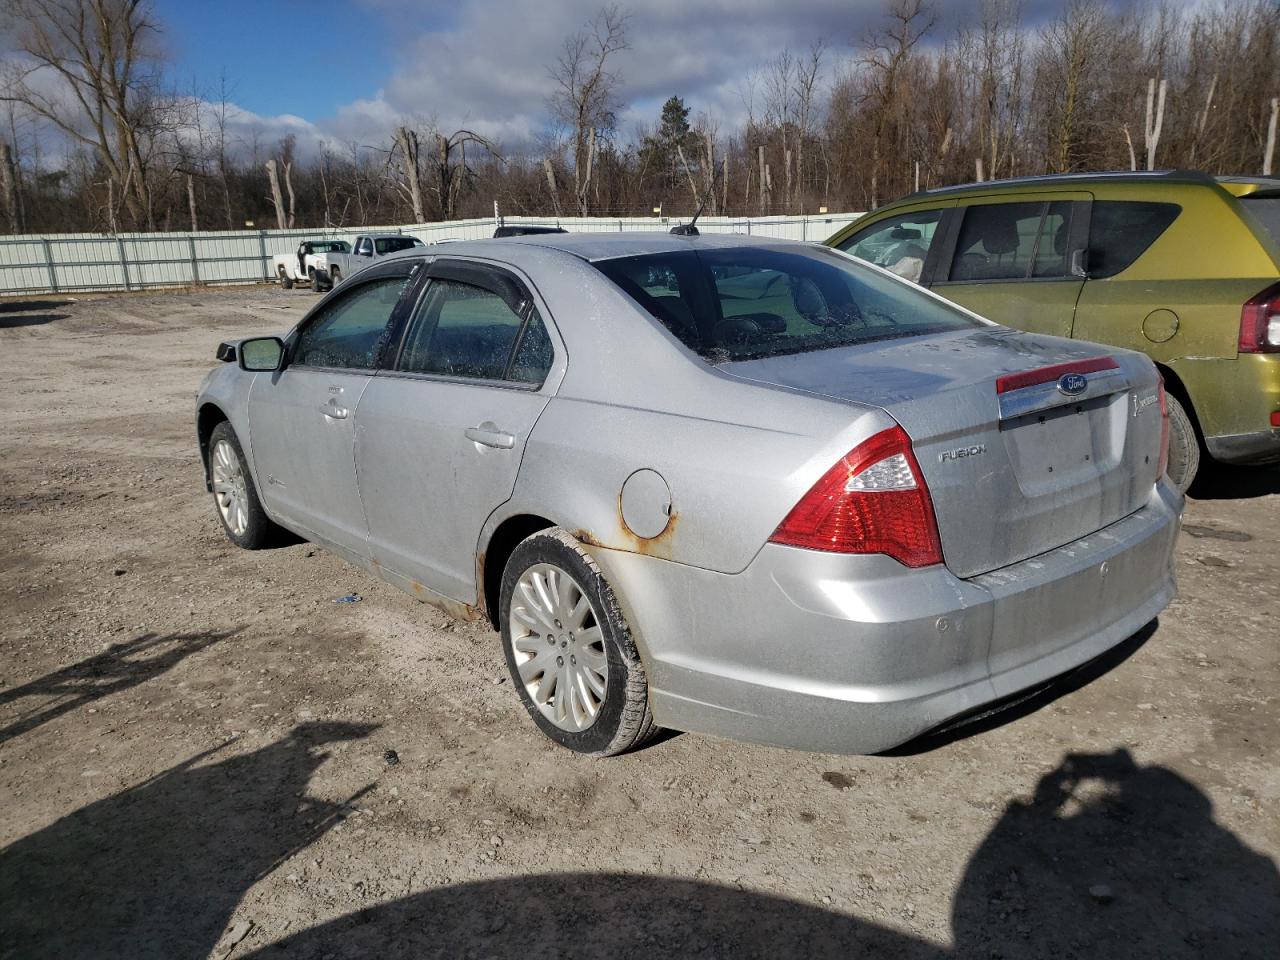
x=1266 y=213
x=750 y=302
x=395 y=244
x=330 y=246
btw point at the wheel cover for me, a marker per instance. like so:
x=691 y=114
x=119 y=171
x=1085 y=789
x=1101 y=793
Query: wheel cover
x=558 y=647
x=229 y=490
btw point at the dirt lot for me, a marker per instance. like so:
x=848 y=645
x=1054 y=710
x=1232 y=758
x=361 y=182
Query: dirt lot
x=196 y=742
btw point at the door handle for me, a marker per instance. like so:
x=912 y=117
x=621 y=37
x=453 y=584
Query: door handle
x=333 y=411
x=488 y=434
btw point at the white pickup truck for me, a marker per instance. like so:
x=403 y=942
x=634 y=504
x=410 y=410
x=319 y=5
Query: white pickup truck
x=307 y=265
x=369 y=247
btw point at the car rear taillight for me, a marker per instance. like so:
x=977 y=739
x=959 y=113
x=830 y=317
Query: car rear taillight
x=1164 y=432
x=874 y=500
x=1260 y=322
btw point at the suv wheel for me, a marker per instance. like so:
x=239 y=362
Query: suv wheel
x=1184 y=445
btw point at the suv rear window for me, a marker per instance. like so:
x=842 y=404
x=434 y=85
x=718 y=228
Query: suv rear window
x=749 y=302
x=1120 y=231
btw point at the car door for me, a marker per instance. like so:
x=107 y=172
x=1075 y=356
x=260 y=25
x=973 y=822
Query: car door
x=301 y=418
x=1017 y=261
x=441 y=429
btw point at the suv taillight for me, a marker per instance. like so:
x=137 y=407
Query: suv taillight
x=1164 y=433
x=874 y=500
x=1260 y=322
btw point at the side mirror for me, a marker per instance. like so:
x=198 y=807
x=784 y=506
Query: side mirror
x=1080 y=264
x=261 y=354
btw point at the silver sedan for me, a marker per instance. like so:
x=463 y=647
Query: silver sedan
x=751 y=488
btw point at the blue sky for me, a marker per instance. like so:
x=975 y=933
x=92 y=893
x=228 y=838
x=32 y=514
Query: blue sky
x=274 y=51
x=348 y=71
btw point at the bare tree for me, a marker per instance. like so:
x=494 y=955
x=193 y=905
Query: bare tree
x=105 y=90
x=9 y=185
x=586 y=91
x=885 y=58
x=450 y=168
x=407 y=143
x=277 y=198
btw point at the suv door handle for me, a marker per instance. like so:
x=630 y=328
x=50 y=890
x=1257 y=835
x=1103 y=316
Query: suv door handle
x=488 y=434
x=333 y=411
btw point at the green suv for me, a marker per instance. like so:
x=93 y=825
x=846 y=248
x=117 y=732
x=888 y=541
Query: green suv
x=1181 y=266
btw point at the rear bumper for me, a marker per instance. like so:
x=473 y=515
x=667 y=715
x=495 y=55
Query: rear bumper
x=847 y=654
x=1246 y=448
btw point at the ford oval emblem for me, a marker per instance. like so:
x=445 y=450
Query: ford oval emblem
x=1072 y=384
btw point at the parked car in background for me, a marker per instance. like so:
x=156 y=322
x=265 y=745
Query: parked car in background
x=525 y=230
x=367 y=249
x=308 y=264
x=1181 y=266
x=748 y=487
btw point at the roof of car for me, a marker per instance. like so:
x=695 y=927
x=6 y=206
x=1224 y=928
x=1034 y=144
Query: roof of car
x=1067 y=179
x=606 y=246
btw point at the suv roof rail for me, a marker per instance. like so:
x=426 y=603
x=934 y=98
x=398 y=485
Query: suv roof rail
x=1047 y=179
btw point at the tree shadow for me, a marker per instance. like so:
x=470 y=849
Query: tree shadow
x=29 y=306
x=30 y=319
x=156 y=870
x=993 y=715
x=1221 y=481
x=120 y=667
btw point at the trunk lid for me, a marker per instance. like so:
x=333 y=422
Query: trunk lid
x=1015 y=466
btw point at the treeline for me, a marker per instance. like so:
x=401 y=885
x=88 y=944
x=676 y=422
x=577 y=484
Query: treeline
x=843 y=127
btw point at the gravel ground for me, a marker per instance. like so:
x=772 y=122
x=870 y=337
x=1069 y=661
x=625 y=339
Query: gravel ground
x=201 y=754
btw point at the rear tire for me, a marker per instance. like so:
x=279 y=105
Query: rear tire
x=335 y=277
x=285 y=280
x=571 y=657
x=234 y=494
x=1184 y=445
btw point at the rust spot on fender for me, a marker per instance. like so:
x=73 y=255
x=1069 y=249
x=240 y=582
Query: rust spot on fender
x=587 y=537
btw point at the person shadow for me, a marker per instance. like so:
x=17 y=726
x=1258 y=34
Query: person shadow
x=157 y=869
x=1111 y=858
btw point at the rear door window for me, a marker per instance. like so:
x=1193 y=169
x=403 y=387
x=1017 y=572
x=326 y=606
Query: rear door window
x=1120 y=231
x=466 y=331
x=899 y=244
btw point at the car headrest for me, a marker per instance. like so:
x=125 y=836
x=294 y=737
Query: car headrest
x=808 y=298
x=1000 y=234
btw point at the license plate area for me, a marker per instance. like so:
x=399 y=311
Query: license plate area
x=1062 y=446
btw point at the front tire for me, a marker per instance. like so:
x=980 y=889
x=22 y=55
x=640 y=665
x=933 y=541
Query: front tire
x=569 y=648
x=316 y=286
x=1184 y=445
x=234 y=494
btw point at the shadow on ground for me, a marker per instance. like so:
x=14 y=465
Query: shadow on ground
x=1220 y=481
x=156 y=870
x=9 y=320
x=1108 y=858
x=121 y=666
